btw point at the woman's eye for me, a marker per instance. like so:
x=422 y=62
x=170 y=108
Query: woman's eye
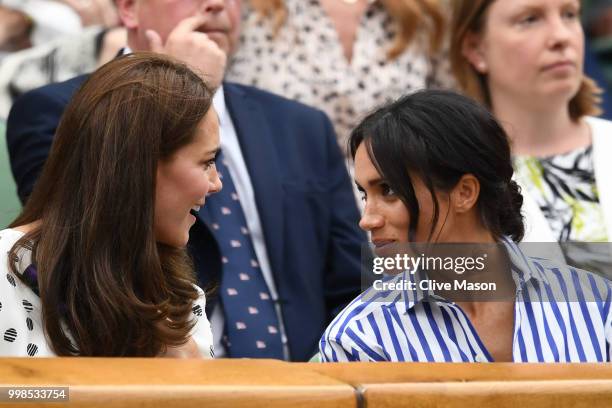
x=209 y=164
x=387 y=191
x=570 y=14
x=528 y=20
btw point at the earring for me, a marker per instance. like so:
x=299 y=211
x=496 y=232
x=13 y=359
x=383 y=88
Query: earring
x=482 y=66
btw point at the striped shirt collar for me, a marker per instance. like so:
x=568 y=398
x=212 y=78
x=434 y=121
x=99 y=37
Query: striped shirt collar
x=523 y=271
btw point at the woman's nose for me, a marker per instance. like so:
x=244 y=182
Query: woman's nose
x=370 y=220
x=559 y=33
x=215 y=182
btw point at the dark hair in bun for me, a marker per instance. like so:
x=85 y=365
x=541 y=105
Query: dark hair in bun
x=441 y=136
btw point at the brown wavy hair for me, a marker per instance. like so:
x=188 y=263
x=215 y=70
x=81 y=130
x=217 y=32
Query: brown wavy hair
x=408 y=15
x=469 y=17
x=106 y=286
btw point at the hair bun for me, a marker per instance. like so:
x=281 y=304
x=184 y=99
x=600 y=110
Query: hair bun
x=510 y=218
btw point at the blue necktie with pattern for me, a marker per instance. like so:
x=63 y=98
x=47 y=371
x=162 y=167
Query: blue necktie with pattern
x=251 y=322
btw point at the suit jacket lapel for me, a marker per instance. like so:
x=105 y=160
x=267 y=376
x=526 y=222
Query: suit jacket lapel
x=257 y=145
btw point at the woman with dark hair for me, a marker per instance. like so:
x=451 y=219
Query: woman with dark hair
x=524 y=61
x=435 y=168
x=96 y=264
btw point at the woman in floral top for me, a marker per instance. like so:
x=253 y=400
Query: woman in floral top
x=524 y=59
x=343 y=57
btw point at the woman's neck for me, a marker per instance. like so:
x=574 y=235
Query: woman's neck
x=541 y=131
x=26 y=228
x=345 y=18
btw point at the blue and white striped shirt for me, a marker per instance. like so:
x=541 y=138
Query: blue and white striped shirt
x=561 y=314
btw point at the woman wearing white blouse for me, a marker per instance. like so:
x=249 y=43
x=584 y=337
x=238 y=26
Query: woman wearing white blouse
x=524 y=60
x=96 y=263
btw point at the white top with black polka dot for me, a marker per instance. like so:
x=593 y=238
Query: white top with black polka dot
x=305 y=62
x=21 y=330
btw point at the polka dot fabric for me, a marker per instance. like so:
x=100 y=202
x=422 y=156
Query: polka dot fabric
x=21 y=331
x=305 y=62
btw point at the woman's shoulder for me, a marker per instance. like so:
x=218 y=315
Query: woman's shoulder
x=8 y=235
x=21 y=331
x=202 y=332
x=11 y=286
x=599 y=126
x=8 y=238
x=570 y=284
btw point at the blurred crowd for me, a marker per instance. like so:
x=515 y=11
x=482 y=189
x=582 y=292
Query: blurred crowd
x=299 y=49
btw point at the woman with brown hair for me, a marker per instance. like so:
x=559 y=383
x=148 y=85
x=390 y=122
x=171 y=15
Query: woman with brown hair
x=524 y=60
x=96 y=263
x=344 y=57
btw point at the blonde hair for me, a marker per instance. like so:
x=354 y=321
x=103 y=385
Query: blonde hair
x=469 y=17
x=408 y=15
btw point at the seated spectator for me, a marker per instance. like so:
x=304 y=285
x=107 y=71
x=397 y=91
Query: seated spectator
x=96 y=263
x=55 y=18
x=344 y=57
x=55 y=61
x=435 y=167
x=524 y=60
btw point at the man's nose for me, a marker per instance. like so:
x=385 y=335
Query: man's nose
x=212 y=6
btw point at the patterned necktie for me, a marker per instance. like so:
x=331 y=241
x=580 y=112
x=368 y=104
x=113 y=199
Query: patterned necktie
x=251 y=322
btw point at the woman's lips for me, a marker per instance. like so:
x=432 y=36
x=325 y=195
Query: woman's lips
x=383 y=247
x=559 y=65
x=379 y=243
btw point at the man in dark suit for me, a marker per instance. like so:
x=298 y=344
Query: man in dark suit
x=286 y=190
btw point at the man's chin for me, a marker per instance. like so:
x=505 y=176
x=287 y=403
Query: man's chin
x=221 y=40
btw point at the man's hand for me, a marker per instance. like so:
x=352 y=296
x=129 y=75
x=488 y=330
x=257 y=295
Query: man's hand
x=194 y=48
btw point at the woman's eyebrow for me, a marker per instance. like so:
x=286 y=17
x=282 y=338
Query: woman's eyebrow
x=214 y=152
x=373 y=182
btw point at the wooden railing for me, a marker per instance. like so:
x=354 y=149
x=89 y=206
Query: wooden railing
x=118 y=383
x=500 y=385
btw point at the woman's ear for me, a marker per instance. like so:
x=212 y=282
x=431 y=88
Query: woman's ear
x=464 y=195
x=471 y=49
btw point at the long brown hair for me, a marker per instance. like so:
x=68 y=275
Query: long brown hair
x=469 y=16
x=408 y=15
x=106 y=286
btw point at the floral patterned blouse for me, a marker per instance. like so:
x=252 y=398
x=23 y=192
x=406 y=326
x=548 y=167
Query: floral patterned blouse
x=564 y=188
x=305 y=62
